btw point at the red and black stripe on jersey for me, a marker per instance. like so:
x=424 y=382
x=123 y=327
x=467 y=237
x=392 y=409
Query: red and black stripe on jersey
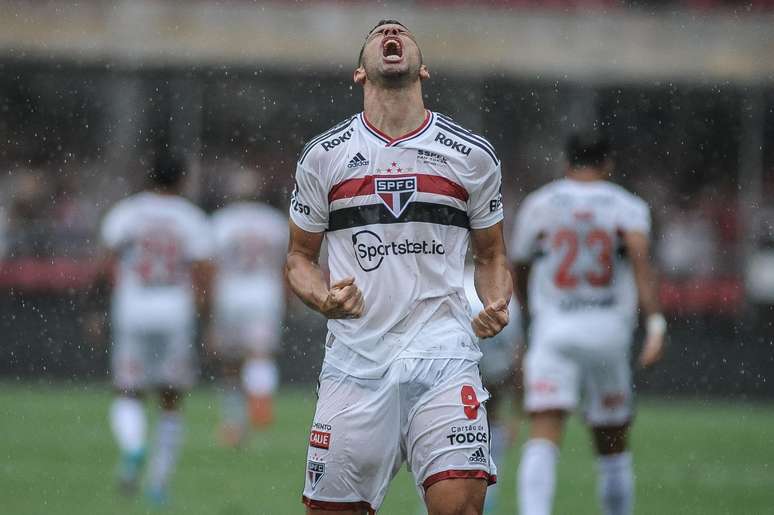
x=417 y=211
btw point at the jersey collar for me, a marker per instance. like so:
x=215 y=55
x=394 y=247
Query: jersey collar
x=392 y=142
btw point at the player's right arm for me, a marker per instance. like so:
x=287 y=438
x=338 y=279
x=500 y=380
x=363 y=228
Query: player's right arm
x=307 y=280
x=111 y=235
x=308 y=222
x=638 y=249
x=635 y=223
x=522 y=249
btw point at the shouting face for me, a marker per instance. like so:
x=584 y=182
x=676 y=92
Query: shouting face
x=390 y=57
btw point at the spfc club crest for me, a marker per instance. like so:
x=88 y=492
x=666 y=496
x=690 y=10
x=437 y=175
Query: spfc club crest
x=315 y=470
x=396 y=192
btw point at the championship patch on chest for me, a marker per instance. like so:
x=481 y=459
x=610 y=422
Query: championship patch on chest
x=396 y=192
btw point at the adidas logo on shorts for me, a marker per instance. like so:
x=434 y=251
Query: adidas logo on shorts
x=478 y=457
x=358 y=160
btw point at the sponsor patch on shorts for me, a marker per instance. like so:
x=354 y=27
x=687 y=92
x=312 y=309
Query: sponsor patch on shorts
x=320 y=439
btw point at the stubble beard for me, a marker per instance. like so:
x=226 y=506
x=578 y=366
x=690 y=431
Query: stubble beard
x=393 y=79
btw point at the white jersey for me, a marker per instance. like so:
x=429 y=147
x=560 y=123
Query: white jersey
x=571 y=232
x=398 y=214
x=251 y=241
x=157 y=238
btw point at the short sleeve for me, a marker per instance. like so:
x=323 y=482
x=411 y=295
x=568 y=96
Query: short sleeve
x=113 y=228
x=309 y=201
x=634 y=215
x=524 y=236
x=485 y=202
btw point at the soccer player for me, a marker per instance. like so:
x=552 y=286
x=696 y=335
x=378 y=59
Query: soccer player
x=251 y=240
x=160 y=246
x=583 y=268
x=500 y=373
x=397 y=192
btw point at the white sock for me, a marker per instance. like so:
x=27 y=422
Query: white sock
x=498 y=444
x=128 y=422
x=616 y=483
x=169 y=436
x=260 y=377
x=537 y=477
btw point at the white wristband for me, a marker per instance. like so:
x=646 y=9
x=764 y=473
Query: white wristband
x=656 y=325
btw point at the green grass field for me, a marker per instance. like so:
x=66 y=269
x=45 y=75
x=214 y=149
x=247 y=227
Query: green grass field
x=57 y=457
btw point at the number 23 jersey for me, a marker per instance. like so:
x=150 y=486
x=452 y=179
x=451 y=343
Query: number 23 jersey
x=572 y=234
x=156 y=238
x=397 y=215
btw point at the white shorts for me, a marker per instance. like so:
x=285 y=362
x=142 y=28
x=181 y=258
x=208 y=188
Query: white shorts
x=144 y=359
x=428 y=412
x=588 y=368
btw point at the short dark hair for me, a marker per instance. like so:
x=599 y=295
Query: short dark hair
x=379 y=24
x=167 y=171
x=587 y=148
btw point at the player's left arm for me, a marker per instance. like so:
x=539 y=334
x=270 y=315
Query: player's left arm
x=492 y=279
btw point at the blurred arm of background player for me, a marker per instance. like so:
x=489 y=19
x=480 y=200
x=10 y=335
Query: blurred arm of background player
x=203 y=279
x=521 y=282
x=638 y=249
x=492 y=279
x=520 y=288
x=342 y=300
x=98 y=296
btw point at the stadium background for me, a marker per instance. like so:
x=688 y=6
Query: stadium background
x=89 y=90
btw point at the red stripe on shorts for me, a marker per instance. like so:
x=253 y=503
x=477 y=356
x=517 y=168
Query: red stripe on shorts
x=458 y=474
x=337 y=506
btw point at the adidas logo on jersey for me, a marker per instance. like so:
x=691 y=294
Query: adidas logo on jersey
x=478 y=457
x=358 y=160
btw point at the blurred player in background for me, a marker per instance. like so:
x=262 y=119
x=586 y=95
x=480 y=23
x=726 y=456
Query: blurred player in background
x=398 y=192
x=500 y=371
x=581 y=248
x=251 y=240
x=160 y=246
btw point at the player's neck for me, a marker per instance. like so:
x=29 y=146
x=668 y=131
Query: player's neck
x=394 y=112
x=584 y=174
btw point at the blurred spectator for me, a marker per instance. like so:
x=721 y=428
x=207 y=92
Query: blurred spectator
x=688 y=244
x=28 y=214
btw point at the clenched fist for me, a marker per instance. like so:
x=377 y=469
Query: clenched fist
x=344 y=300
x=491 y=320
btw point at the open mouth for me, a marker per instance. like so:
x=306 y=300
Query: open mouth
x=392 y=50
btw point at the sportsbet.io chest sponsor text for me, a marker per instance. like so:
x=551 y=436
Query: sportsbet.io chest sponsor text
x=371 y=251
